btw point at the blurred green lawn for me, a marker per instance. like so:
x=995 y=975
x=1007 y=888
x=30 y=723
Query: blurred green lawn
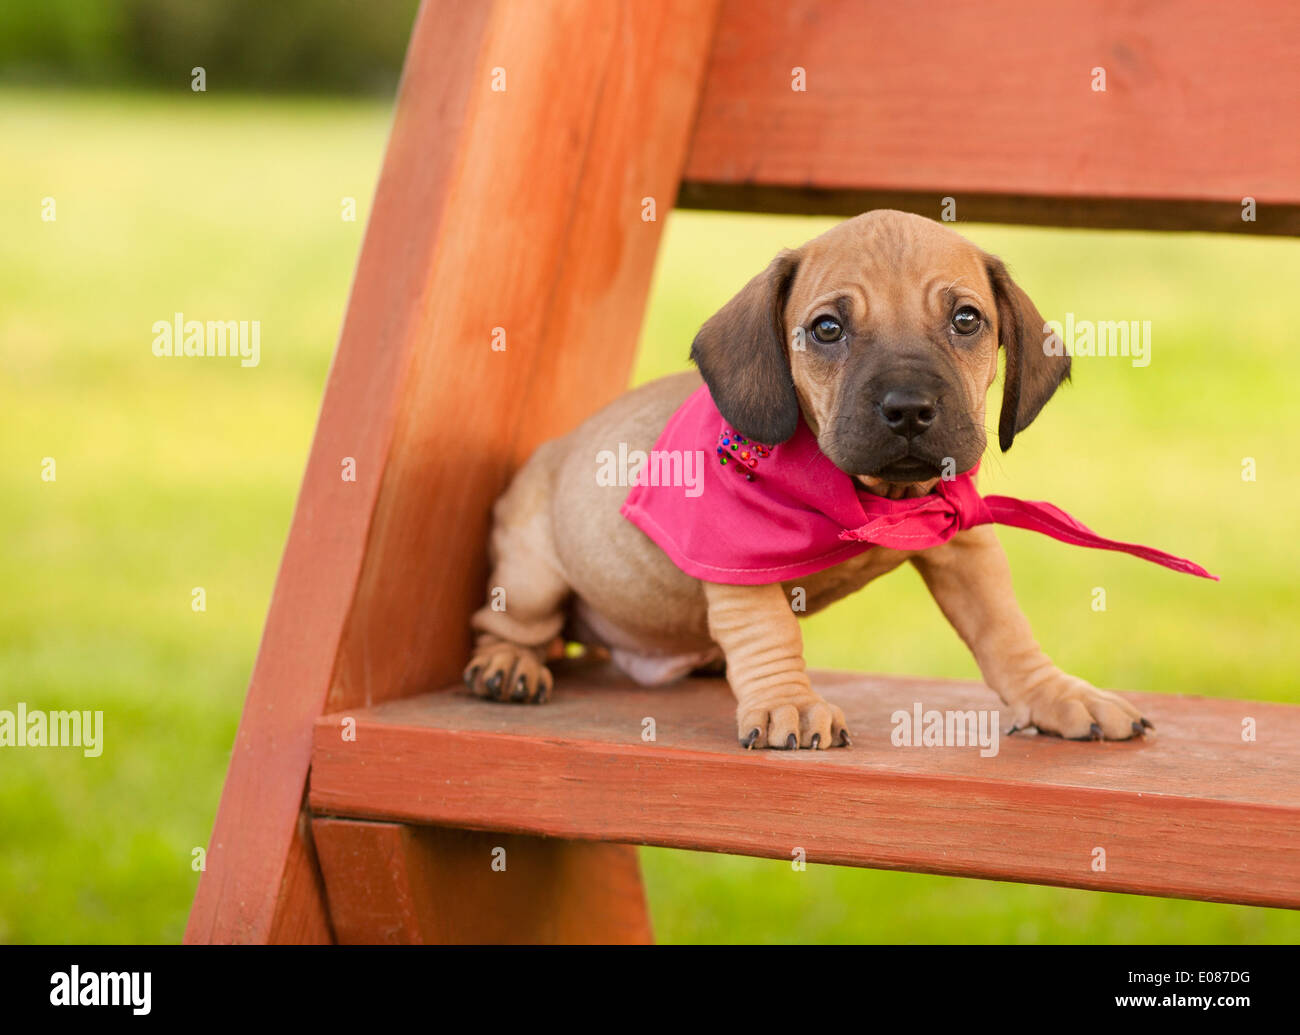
x=172 y=475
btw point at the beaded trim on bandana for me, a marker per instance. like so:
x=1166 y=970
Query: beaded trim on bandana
x=737 y=451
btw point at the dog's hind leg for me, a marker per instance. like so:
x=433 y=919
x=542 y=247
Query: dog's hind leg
x=527 y=594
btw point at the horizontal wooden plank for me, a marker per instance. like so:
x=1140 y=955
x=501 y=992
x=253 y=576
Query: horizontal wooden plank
x=994 y=105
x=1191 y=811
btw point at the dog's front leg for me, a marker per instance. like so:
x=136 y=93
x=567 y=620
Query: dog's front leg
x=759 y=635
x=971 y=581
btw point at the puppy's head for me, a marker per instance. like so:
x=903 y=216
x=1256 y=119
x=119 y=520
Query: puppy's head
x=884 y=332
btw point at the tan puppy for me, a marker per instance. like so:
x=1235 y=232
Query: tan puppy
x=901 y=320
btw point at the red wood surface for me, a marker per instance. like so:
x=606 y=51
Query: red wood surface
x=391 y=884
x=1191 y=811
x=249 y=855
x=519 y=209
x=992 y=104
x=302 y=916
x=546 y=241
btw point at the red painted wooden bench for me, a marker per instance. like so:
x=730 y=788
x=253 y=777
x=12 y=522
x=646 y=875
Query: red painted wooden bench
x=522 y=209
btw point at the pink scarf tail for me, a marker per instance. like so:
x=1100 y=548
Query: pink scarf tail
x=1039 y=516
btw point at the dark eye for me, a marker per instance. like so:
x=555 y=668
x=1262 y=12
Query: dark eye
x=827 y=329
x=966 y=320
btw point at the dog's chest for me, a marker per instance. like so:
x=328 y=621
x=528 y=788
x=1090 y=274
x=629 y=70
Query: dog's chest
x=823 y=588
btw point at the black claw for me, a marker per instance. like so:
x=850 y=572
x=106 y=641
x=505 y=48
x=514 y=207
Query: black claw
x=471 y=675
x=1013 y=731
x=748 y=741
x=1138 y=729
x=844 y=739
x=816 y=741
x=1148 y=725
x=1095 y=732
x=494 y=684
x=791 y=742
x=543 y=694
x=521 y=689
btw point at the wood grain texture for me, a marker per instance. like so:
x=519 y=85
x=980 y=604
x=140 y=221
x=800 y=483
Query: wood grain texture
x=992 y=104
x=546 y=242
x=391 y=884
x=1191 y=811
x=251 y=855
x=301 y=916
x=518 y=209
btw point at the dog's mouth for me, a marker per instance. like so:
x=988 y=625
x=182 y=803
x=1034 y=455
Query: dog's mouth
x=902 y=473
x=907 y=469
x=905 y=477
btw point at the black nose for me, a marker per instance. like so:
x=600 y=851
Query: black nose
x=908 y=412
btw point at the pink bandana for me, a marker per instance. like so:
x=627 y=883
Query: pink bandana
x=726 y=509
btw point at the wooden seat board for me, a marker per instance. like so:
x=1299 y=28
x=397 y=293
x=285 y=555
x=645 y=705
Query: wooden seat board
x=1192 y=810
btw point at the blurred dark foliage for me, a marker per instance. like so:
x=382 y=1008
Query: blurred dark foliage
x=351 y=46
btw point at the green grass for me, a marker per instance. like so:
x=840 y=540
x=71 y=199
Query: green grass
x=173 y=474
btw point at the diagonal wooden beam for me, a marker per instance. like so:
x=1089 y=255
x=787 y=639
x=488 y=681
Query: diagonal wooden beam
x=518 y=208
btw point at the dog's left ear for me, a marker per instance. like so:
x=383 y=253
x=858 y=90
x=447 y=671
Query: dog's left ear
x=741 y=353
x=1034 y=371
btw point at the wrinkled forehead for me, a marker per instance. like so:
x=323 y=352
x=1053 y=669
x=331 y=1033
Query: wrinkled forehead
x=892 y=264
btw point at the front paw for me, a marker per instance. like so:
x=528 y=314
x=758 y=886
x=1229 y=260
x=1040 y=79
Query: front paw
x=799 y=719
x=502 y=671
x=1066 y=706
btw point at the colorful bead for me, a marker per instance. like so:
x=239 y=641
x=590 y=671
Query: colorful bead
x=745 y=458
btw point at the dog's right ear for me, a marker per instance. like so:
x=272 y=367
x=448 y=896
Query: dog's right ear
x=741 y=353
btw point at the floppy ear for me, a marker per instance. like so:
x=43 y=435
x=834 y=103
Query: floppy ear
x=1033 y=373
x=742 y=356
